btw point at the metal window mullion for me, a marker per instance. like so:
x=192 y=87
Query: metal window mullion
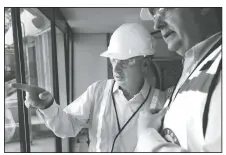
x=20 y=78
x=72 y=67
x=109 y=70
x=58 y=142
x=67 y=70
x=71 y=79
x=66 y=56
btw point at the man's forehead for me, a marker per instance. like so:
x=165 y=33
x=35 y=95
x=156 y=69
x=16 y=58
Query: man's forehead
x=154 y=10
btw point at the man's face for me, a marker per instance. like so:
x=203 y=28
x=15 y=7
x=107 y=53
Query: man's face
x=179 y=27
x=127 y=72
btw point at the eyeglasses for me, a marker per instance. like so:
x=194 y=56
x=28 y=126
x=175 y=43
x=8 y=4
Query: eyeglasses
x=161 y=13
x=123 y=63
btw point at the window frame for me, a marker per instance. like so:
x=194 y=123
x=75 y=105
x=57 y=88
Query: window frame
x=20 y=78
x=57 y=20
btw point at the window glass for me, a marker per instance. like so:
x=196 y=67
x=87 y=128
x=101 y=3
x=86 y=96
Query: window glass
x=11 y=106
x=37 y=48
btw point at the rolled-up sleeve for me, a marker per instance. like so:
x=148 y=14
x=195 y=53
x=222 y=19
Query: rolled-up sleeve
x=69 y=121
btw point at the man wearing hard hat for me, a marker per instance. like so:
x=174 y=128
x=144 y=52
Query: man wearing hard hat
x=108 y=108
x=193 y=121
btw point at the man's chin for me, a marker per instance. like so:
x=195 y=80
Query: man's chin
x=120 y=83
x=180 y=53
x=179 y=50
x=172 y=47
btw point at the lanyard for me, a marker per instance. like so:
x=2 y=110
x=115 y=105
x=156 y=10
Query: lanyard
x=121 y=129
x=210 y=51
x=210 y=92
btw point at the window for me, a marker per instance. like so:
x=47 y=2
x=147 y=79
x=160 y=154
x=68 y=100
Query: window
x=37 y=51
x=11 y=106
x=40 y=52
x=61 y=67
x=37 y=48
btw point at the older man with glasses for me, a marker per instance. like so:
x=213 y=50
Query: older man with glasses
x=193 y=121
x=109 y=108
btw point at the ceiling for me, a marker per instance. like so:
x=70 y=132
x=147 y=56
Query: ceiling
x=102 y=20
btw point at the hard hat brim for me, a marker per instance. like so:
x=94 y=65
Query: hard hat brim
x=145 y=14
x=110 y=54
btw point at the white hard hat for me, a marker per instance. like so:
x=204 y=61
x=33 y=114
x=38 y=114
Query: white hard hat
x=130 y=40
x=145 y=14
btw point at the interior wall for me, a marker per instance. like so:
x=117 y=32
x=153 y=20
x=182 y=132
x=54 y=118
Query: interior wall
x=89 y=67
x=163 y=52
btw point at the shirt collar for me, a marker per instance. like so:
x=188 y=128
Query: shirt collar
x=201 y=48
x=143 y=91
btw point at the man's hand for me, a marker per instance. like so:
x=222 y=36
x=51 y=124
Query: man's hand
x=150 y=119
x=35 y=96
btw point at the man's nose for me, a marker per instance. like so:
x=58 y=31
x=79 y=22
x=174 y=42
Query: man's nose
x=159 y=23
x=117 y=67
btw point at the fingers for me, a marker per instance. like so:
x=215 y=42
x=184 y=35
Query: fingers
x=27 y=104
x=21 y=86
x=154 y=111
x=45 y=95
x=163 y=111
x=39 y=101
x=27 y=88
x=159 y=113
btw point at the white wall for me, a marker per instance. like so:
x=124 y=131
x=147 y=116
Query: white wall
x=89 y=67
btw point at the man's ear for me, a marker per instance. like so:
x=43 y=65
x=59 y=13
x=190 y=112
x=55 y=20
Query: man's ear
x=145 y=64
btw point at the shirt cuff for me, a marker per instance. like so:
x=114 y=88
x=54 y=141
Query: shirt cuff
x=51 y=111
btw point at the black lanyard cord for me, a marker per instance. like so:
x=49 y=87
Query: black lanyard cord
x=120 y=130
x=115 y=106
x=210 y=92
